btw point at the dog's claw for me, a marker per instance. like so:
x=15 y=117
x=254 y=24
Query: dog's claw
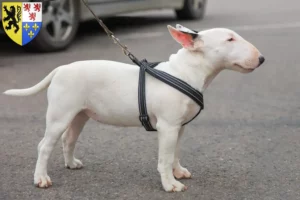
x=40 y=184
x=183 y=189
x=43 y=182
x=174 y=188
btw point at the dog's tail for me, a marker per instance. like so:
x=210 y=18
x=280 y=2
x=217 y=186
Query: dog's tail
x=34 y=89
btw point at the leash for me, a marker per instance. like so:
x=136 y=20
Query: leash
x=112 y=36
x=148 y=67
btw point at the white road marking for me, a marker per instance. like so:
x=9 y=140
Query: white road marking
x=266 y=26
x=142 y=35
x=236 y=28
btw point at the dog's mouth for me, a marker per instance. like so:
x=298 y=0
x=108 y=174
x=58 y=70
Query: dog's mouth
x=243 y=68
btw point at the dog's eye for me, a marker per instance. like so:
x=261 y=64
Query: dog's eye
x=230 y=40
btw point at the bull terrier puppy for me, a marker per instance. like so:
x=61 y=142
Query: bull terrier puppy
x=107 y=92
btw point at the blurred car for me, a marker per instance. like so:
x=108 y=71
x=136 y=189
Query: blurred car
x=62 y=17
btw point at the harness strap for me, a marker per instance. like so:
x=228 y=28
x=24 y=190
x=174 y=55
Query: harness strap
x=144 y=118
x=172 y=81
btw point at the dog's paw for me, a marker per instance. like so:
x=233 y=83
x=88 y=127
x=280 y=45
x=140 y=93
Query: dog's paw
x=74 y=164
x=42 y=181
x=181 y=173
x=174 y=186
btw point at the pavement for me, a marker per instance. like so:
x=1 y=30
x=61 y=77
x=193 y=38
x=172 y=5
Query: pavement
x=245 y=145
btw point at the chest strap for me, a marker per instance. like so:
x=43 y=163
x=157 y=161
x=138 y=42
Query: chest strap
x=172 y=81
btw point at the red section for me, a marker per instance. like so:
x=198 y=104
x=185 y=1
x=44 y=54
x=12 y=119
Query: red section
x=27 y=7
x=32 y=16
x=37 y=7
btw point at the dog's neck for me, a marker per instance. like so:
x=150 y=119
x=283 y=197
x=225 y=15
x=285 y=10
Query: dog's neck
x=193 y=68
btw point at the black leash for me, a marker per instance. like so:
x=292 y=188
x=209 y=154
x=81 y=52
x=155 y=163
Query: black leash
x=145 y=66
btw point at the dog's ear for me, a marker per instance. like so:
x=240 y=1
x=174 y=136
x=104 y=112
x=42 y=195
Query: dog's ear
x=184 y=36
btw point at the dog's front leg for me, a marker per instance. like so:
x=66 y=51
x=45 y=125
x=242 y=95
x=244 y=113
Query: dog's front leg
x=179 y=171
x=167 y=138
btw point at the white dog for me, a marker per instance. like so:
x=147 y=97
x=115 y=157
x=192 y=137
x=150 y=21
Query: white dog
x=107 y=91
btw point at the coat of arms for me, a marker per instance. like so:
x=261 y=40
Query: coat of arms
x=22 y=21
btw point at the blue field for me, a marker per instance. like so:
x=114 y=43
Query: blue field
x=29 y=31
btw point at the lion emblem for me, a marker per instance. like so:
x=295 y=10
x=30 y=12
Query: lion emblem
x=12 y=19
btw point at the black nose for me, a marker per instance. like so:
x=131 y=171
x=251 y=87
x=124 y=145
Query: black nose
x=261 y=60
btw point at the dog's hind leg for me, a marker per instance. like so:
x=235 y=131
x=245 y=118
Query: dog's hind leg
x=57 y=121
x=69 y=139
x=179 y=171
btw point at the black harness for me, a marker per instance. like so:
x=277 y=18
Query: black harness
x=174 y=82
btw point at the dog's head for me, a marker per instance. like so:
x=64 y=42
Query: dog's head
x=221 y=46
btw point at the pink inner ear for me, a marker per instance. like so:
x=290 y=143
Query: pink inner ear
x=186 y=40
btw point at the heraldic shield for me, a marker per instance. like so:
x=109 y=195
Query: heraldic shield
x=22 y=21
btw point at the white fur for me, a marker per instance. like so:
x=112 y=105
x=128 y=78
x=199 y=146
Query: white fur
x=107 y=92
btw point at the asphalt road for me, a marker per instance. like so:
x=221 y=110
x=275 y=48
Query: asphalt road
x=245 y=145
